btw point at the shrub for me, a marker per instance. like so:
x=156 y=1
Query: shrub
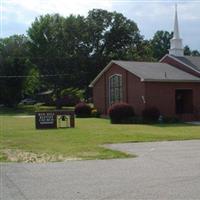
x=151 y=114
x=71 y=96
x=171 y=120
x=121 y=113
x=137 y=120
x=82 y=110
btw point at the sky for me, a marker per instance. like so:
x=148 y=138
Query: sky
x=16 y=16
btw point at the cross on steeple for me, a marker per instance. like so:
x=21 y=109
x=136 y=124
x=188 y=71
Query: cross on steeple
x=176 y=47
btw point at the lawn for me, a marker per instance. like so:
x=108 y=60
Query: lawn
x=20 y=141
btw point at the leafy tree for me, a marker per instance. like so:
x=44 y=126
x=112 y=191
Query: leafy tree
x=58 y=48
x=71 y=51
x=160 y=44
x=31 y=84
x=111 y=36
x=13 y=63
x=195 y=53
x=187 y=51
x=143 y=52
x=80 y=47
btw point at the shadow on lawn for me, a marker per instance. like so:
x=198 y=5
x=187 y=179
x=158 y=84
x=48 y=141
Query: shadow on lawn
x=28 y=109
x=162 y=125
x=19 y=110
x=181 y=124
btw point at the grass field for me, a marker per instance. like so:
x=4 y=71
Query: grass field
x=20 y=141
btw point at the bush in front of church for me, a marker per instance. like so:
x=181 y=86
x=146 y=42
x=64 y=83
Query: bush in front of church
x=151 y=115
x=83 y=110
x=121 y=113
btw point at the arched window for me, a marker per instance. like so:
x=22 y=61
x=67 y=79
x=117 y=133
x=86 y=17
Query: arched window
x=115 y=88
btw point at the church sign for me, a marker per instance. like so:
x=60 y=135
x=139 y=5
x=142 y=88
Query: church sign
x=45 y=120
x=53 y=119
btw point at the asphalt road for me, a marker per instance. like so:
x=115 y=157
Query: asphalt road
x=162 y=170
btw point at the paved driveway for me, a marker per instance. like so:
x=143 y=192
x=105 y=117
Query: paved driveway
x=162 y=170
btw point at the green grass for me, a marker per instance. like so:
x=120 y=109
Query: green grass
x=85 y=140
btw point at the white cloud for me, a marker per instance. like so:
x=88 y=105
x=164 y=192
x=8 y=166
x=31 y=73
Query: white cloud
x=64 y=7
x=149 y=15
x=21 y=13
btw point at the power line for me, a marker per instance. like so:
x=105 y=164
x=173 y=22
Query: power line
x=39 y=76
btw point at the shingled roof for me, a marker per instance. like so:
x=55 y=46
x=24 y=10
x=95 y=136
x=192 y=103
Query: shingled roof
x=151 y=71
x=192 y=61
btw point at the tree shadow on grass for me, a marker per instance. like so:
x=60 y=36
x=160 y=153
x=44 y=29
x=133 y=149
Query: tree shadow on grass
x=27 y=109
x=16 y=111
x=182 y=124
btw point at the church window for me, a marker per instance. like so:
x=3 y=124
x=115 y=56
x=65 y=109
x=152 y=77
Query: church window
x=115 y=88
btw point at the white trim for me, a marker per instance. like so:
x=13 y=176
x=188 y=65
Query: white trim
x=163 y=58
x=179 y=62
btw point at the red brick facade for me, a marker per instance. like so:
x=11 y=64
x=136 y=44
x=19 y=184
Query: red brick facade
x=142 y=95
x=133 y=89
x=162 y=95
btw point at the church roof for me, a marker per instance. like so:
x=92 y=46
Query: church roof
x=151 y=71
x=155 y=71
x=192 y=61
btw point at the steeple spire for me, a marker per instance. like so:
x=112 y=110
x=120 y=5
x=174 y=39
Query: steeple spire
x=176 y=48
x=176 y=29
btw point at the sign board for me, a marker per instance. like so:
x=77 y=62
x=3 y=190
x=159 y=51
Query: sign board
x=48 y=119
x=45 y=120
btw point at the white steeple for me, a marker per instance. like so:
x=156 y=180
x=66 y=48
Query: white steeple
x=176 y=47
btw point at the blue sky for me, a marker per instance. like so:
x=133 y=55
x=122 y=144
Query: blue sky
x=150 y=16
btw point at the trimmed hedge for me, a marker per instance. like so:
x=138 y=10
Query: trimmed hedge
x=121 y=113
x=82 y=110
x=151 y=114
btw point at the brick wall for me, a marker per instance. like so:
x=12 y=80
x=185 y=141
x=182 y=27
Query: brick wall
x=133 y=90
x=162 y=95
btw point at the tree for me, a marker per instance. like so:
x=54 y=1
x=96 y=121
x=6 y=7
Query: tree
x=13 y=63
x=187 y=51
x=195 y=53
x=160 y=44
x=31 y=83
x=58 y=48
x=80 y=47
x=111 y=36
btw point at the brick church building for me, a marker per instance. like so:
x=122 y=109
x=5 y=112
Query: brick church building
x=172 y=84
